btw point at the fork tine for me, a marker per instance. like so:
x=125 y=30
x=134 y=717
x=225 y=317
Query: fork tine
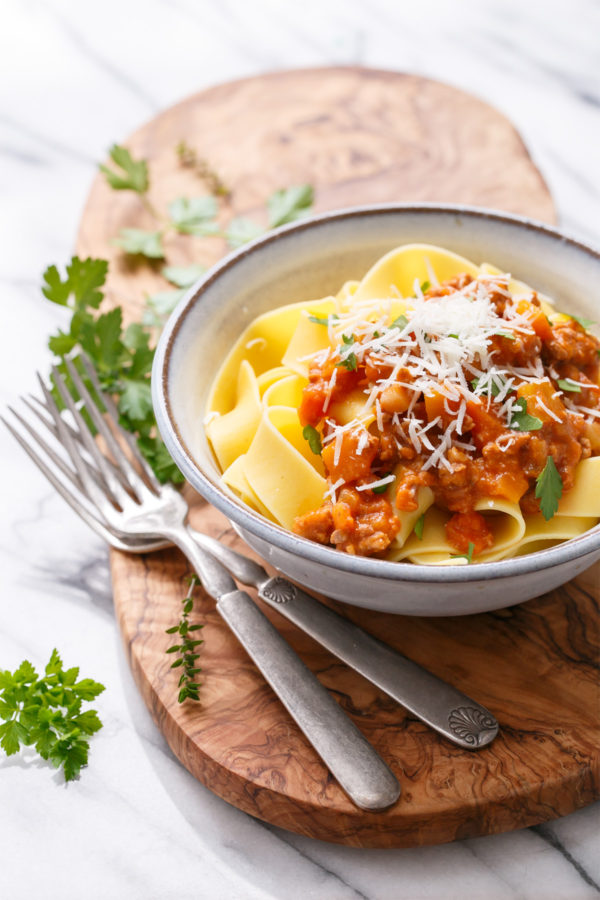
x=114 y=414
x=99 y=493
x=115 y=489
x=50 y=452
x=75 y=501
x=36 y=409
x=123 y=467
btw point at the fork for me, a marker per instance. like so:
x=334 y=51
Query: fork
x=137 y=511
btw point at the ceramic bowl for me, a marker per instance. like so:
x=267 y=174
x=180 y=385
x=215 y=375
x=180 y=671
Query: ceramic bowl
x=312 y=259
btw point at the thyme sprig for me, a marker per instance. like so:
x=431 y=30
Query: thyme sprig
x=188 y=686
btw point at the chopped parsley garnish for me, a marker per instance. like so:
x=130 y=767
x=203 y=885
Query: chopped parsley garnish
x=419 y=526
x=496 y=385
x=349 y=360
x=549 y=488
x=565 y=384
x=506 y=334
x=521 y=420
x=382 y=488
x=468 y=555
x=425 y=287
x=310 y=434
x=453 y=335
x=401 y=322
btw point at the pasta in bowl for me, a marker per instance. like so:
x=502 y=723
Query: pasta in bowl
x=436 y=411
x=385 y=443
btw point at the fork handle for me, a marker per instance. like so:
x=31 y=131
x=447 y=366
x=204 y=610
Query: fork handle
x=342 y=747
x=437 y=703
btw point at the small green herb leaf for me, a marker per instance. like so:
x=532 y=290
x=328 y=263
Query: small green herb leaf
x=349 y=362
x=161 y=305
x=491 y=384
x=419 y=526
x=183 y=276
x=289 y=204
x=323 y=320
x=133 y=175
x=549 y=488
x=565 y=384
x=506 y=334
x=382 y=487
x=401 y=322
x=468 y=555
x=84 y=279
x=142 y=243
x=136 y=400
x=521 y=420
x=425 y=287
x=241 y=230
x=194 y=215
x=310 y=434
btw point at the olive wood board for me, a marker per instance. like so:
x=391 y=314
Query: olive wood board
x=359 y=136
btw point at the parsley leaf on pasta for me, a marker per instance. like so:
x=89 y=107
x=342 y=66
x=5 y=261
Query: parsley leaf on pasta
x=310 y=434
x=565 y=384
x=549 y=488
x=521 y=420
x=468 y=555
x=419 y=526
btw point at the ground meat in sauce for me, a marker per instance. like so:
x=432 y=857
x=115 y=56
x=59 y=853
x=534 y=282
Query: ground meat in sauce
x=506 y=463
x=361 y=524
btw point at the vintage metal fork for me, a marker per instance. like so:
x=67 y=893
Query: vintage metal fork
x=121 y=503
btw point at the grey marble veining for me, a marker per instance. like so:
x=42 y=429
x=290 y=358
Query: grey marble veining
x=75 y=77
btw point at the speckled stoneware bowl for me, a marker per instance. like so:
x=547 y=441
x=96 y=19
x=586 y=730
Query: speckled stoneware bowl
x=312 y=259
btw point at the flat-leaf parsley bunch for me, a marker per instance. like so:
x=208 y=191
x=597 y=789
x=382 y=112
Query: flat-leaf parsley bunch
x=45 y=712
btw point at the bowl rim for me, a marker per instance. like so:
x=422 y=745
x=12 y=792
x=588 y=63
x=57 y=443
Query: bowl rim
x=272 y=533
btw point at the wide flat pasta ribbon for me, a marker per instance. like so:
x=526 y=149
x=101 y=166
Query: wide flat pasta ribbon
x=503 y=517
x=401 y=267
x=278 y=469
x=263 y=345
x=231 y=434
x=584 y=497
x=234 y=477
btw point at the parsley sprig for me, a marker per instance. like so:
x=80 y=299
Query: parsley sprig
x=188 y=686
x=122 y=357
x=195 y=216
x=45 y=712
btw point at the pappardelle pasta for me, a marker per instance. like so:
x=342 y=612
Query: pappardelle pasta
x=436 y=412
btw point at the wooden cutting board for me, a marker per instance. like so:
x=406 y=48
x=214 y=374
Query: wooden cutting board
x=359 y=136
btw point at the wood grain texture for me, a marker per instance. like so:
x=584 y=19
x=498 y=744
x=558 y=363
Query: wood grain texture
x=360 y=136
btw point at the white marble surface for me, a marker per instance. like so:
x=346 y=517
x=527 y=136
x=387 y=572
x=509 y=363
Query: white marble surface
x=75 y=77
